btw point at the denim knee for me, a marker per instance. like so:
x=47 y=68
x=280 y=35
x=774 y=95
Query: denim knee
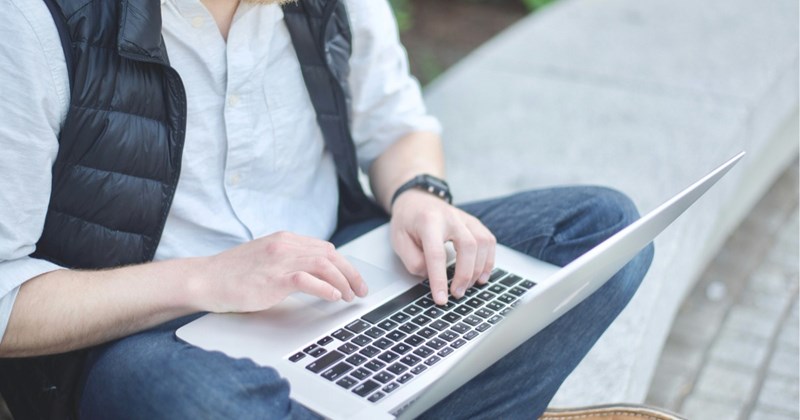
x=611 y=205
x=589 y=216
x=598 y=212
x=612 y=211
x=615 y=205
x=583 y=217
x=557 y=225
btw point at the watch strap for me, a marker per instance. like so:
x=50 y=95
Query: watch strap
x=425 y=182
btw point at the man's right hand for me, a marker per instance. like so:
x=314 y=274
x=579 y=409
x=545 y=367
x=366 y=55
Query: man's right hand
x=68 y=309
x=260 y=274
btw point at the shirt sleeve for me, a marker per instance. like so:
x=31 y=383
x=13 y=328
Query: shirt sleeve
x=6 y=304
x=386 y=99
x=33 y=75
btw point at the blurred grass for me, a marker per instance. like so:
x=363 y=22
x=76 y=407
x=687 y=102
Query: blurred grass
x=404 y=10
x=439 y=33
x=428 y=65
x=402 y=13
x=535 y=4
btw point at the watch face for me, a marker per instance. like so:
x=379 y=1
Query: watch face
x=436 y=186
x=436 y=182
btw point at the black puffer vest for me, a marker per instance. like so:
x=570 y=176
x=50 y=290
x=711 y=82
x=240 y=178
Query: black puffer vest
x=120 y=149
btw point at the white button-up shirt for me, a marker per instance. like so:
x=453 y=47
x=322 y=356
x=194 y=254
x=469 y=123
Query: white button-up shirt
x=254 y=160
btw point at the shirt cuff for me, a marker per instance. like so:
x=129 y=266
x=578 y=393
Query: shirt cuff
x=13 y=273
x=369 y=151
x=6 y=304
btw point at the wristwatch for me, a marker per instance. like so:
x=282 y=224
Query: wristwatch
x=429 y=183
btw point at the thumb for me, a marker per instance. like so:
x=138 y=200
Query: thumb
x=410 y=254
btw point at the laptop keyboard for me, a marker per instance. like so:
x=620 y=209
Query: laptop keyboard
x=386 y=348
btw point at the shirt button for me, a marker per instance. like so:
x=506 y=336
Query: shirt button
x=197 y=21
x=233 y=100
x=235 y=179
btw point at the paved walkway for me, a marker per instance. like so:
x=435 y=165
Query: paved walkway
x=733 y=349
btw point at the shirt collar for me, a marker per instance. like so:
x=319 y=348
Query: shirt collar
x=140 y=31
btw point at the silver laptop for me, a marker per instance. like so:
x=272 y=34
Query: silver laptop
x=373 y=358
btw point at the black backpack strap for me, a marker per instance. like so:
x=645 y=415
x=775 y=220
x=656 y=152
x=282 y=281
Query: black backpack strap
x=326 y=82
x=63 y=33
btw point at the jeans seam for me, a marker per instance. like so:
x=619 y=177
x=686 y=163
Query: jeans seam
x=540 y=252
x=616 y=227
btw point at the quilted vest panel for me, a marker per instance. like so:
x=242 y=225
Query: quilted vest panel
x=120 y=147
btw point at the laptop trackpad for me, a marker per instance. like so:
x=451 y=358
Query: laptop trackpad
x=376 y=278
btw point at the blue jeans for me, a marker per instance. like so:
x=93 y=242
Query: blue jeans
x=154 y=375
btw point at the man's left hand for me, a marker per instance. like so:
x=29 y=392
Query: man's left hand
x=421 y=224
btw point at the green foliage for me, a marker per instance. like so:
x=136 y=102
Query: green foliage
x=403 y=13
x=428 y=65
x=404 y=10
x=535 y=4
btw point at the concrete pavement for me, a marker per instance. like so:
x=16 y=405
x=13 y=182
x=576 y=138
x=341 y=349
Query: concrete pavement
x=733 y=350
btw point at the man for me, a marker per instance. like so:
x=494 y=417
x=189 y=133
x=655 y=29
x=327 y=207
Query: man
x=244 y=211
